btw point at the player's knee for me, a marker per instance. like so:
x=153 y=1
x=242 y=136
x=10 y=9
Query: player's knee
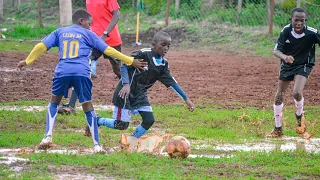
x=297 y=95
x=147 y=122
x=121 y=125
x=278 y=99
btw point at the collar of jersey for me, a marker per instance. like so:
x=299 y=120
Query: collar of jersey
x=158 y=61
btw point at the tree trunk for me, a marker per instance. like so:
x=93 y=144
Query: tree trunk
x=40 y=16
x=271 y=16
x=65 y=8
x=298 y=3
x=177 y=5
x=133 y=4
x=1 y=8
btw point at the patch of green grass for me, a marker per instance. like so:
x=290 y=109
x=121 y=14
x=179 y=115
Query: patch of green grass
x=243 y=165
x=208 y=123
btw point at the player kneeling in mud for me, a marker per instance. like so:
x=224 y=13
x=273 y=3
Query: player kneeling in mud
x=296 y=49
x=130 y=95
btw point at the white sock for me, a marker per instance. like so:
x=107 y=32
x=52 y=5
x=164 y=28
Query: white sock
x=299 y=106
x=277 y=109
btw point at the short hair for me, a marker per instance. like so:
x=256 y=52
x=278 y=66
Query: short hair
x=80 y=13
x=160 y=36
x=298 y=10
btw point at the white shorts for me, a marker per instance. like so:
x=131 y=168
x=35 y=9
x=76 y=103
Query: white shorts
x=125 y=114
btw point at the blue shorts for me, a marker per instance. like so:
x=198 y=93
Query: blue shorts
x=82 y=86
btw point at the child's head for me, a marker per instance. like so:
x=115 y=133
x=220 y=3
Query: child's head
x=82 y=18
x=161 y=43
x=298 y=19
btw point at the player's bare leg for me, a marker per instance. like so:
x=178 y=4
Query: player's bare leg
x=51 y=118
x=115 y=67
x=277 y=108
x=91 y=117
x=299 y=84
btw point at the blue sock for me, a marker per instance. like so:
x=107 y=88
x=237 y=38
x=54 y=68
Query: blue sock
x=140 y=131
x=51 y=118
x=106 y=122
x=93 y=125
x=94 y=67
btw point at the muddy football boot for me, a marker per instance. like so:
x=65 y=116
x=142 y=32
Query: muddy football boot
x=301 y=124
x=98 y=149
x=46 y=143
x=66 y=109
x=87 y=129
x=277 y=132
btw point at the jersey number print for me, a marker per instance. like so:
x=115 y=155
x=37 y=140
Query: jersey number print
x=72 y=47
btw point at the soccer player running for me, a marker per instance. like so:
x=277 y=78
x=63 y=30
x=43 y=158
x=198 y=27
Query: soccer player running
x=74 y=43
x=296 y=49
x=130 y=96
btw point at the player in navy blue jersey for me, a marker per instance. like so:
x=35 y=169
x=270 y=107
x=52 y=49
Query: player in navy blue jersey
x=296 y=49
x=130 y=96
x=75 y=43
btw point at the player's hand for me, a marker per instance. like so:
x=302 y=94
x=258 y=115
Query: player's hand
x=289 y=59
x=21 y=64
x=124 y=92
x=139 y=64
x=190 y=105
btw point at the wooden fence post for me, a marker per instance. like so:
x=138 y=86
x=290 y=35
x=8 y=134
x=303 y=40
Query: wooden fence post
x=168 y=12
x=1 y=8
x=270 y=22
x=40 y=15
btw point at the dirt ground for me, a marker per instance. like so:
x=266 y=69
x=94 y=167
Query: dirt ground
x=207 y=77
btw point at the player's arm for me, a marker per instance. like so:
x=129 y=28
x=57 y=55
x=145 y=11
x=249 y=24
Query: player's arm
x=124 y=92
x=318 y=37
x=114 y=20
x=36 y=52
x=130 y=61
x=166 y=79
x=278 y=50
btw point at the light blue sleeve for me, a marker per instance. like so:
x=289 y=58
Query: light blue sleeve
x=124 y=74
x=179 y=91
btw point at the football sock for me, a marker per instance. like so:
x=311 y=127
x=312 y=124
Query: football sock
x=277 y=109
x=73 y=98
x=106 y=122
x=51 y=118
x=93 y=125
x=140 y=131
x=94 y=67
x=299 y=106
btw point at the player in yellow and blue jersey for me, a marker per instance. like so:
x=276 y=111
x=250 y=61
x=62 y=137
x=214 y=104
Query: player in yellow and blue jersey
x=75 y=43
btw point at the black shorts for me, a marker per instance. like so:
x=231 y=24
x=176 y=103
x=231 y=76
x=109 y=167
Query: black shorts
x=287 y=74
x=96 y=54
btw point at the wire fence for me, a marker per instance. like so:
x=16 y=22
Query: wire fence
x=203 y=13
